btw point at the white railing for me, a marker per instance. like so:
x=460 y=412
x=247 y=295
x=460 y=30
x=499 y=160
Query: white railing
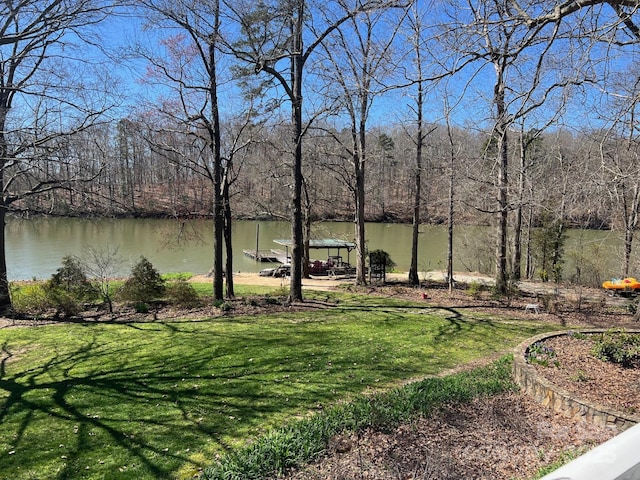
x=616 y=459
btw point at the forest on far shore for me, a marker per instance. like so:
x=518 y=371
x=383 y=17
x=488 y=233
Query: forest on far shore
x=582 y=179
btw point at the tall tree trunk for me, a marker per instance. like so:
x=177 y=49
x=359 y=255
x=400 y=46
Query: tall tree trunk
x=361 y=249
x=452 y=177
x=360 y=161
x=631 y=222
x=413 y=268
x=516 y=272
x=501 y=230
x=5 y=297
x=306 y=258
x=502 y=183
x=228 y=271
x=529 y=263
x=218 y=202
x=450 y=280
x=297 y=237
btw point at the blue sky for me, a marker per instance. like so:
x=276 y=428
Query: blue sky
x=122 y=32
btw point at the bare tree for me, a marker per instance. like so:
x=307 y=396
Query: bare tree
x=102 y=266
x=620 y=157
x=523 y=57
x=420 y=49
x=453 y=157
x=42 y=102
x=274 y=44
x=190 y=66
x=359 y=59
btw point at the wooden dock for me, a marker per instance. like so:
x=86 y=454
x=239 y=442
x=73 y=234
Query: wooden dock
x=262 y=256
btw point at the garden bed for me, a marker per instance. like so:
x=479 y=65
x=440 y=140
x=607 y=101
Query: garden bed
x=504 y=437
x=572 y=366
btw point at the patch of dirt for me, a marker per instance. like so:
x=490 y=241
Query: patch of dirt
x=501 y=437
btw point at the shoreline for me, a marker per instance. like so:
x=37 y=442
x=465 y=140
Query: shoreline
x=253 y=278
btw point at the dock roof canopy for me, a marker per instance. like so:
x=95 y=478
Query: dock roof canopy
x=322 y=243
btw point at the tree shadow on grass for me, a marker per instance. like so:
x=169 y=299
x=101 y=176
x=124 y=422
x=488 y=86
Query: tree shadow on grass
x=99 y=406
x=60 y=413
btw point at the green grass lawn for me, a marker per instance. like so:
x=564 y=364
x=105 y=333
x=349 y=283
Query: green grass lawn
x=160 y=400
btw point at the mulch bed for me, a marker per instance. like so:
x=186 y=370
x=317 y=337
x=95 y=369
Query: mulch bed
x=501 y=437
x=575 y=369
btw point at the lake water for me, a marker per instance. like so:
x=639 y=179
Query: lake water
x=36 y=247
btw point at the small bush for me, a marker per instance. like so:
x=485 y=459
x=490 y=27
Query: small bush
x=141 y=307
x=69 y=288
x=223 y=305
x=31 y=299
x=381 y=258
x=618 y=346
x=550 y=303
x=144 y=284
x=252 y=302
x=632 y=307
x=65 y=303
x=577 y=335
x=269 y=300
x=542 y=354
x=70 y=280
x=474 y=289
x=511 y=291
x=182 y=293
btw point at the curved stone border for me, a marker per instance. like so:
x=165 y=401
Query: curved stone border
x=558 y=399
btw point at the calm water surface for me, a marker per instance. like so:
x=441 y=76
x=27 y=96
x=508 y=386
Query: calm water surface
x=36 y=247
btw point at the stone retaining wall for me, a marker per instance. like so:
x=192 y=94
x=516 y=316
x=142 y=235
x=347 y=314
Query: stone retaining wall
x=558 y=399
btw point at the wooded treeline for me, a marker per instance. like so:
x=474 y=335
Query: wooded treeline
x=514 y=114
x=586 y=172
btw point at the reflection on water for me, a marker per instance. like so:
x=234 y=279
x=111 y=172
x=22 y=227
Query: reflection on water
x=36 y=247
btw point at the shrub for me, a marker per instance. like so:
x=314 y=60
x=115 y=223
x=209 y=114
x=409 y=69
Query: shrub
x=542 y=354
x=550 y=303
x=380 y=263
x=141 y=307
x=66 y=303
x=510 y=292
x=71 y=279
x=223 y=305
x=269 y=300
x=474 y=289
x=182 y=293
x=30 y=298
x=144 y=283
x=618 y=346
x=69 y=287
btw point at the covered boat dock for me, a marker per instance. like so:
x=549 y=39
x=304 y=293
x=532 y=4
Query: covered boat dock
x=329 y=243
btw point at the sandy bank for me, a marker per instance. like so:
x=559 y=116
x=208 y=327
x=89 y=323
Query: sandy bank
x=246 y=278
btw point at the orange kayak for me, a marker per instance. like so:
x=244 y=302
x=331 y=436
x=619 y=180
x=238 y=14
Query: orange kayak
x=628 y=283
